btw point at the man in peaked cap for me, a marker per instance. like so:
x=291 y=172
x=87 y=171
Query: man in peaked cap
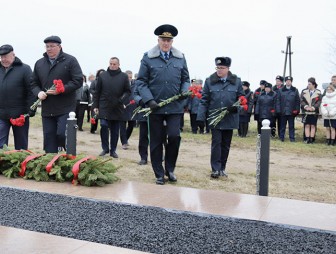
x=55 y=64
x=288 y=106
x=230 y=89
x=159 y=79
x=15 y=97
x=279 y=84
x=290 y=78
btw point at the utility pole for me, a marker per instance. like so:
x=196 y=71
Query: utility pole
x=288 y=55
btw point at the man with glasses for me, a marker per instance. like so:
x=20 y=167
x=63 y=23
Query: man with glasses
x=221 y=89
x=164 y=73
x=15 y=97
x=56 y=65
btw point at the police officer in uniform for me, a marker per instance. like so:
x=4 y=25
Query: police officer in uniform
x=221 y=89
x=277 y=118
x=164 y=73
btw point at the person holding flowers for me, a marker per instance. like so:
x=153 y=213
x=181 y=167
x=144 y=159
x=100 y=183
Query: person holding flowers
x=15 y=98
x=56 y=77
x=164 y=74
x=193 y=102
x=221 y=97
x=328 y=111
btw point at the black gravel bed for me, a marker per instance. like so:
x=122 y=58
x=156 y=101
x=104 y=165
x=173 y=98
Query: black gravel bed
x=153 y=229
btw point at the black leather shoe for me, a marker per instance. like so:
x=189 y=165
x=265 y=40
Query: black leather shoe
x=215 y=174
x=142 y=162
x=159 y=181
x=171 y=177
x=114 y=155
x=222 y=173
x=103 y=153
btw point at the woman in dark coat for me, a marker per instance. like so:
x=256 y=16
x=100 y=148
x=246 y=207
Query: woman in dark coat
x=265 y=108
x=244 y=116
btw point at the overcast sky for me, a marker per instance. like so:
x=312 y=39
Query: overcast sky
x=252 y=32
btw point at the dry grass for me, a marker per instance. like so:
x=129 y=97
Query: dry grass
x=297 y=170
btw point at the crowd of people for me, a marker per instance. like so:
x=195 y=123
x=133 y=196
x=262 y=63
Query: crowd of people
x=112 y=96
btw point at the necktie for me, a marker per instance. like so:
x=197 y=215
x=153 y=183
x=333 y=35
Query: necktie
x=311 y=93
x=166 y=57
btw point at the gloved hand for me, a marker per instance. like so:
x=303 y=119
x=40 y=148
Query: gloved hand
x=232 y=109
x=31 y=113
x=141 y=103
x=152 y=104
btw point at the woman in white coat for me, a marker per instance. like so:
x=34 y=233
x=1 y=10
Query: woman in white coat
x=328 y=111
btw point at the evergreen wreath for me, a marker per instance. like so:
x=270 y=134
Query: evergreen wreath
x=81 y=169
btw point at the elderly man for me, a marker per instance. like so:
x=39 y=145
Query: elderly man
x=163 y=73
x=56 y=106
x=15 y=97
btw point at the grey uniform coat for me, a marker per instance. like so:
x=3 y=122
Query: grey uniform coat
x=217 y=94
x=166 y=79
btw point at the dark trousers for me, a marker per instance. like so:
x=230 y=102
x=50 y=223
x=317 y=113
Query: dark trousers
x=243 y=129
x=277 y=122
x=182 y=122
x=143 y=140
x=80 y=112
x=158 y=135
x=220 y=148
x=54 y=132
x=259 y=125
x=291 y=127
x=20 y=134
x=126 y=129
x=94 y=126
x=109 y=128
x=88 y=113
x=194 y=124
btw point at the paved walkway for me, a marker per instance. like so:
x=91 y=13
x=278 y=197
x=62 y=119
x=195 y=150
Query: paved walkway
x=277 y=210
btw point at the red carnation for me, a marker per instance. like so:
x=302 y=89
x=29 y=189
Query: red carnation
x=272 y=110
x=130 y=103
x=92 y=120
x=20 y=121
x=59 y=86
x=243 y=100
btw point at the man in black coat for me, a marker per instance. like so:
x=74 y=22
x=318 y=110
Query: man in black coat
x=15 y=97
x=111 y=95
x=56 y=106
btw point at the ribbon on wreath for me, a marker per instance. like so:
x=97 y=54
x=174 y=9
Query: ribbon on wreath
x=75 y=168
x=28 y=159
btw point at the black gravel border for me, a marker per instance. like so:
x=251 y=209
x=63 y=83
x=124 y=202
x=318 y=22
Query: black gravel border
x=153 y=229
